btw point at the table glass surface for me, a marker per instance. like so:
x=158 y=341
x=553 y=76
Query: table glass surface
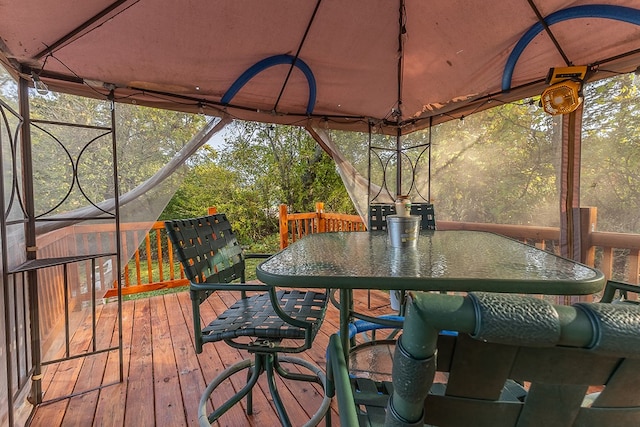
x=443 y=260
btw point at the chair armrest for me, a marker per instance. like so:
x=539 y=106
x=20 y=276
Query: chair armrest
x=258 y=256
x=229 y=287
x=611 y=288
x=339 y=384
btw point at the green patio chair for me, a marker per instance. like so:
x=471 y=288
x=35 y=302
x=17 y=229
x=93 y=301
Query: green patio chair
x=507 y=361
x=259 y=322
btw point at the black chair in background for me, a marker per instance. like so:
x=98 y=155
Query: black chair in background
x=378 y=215
x=259 y=323
x=618 y=292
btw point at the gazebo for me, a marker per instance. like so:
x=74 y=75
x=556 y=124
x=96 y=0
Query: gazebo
x=373 y=67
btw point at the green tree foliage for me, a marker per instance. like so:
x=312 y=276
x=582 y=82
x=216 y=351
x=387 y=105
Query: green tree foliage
x=146 y=140
x=610 y=174
x=211 y=183
x=502 y=165
x=285 y=165
x=258 y=168
x=497 y=166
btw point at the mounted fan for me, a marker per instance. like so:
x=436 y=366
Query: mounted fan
x=562 y=98
x=565 y=93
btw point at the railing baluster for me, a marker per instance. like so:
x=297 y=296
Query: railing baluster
x=634 y=268
x=171 y=265
x=160 y=260
x=127 y=281
x=137 y=258
x=607 y=262
x=147 y=240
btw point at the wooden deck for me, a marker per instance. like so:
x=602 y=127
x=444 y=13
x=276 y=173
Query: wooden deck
x=164 y=377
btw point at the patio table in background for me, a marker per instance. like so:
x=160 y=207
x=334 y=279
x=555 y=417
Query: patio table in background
x=452 y=260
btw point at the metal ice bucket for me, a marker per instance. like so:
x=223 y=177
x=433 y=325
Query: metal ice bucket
x=403 y=230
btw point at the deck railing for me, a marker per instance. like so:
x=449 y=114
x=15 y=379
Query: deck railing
x=616 y=254
x=294 y=226
x=153 y=267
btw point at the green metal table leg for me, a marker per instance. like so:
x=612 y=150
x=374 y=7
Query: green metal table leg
x=345 y=318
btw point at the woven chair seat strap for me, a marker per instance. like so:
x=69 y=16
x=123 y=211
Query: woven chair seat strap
x=254 y=316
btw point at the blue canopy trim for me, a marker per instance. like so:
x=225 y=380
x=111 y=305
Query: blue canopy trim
x=271 y=61
x=618 y=13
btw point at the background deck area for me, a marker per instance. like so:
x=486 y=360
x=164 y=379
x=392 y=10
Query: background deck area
x=164 y=377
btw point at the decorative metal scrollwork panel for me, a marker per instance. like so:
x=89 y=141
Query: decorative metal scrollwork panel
x=414 y=171
x=70 y=166
x=10 y=125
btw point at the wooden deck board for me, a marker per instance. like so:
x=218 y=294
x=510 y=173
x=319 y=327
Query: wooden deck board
x=189 y=372
x=164 y=377
x=169 y=407
x=109 y=410
x=140 y=384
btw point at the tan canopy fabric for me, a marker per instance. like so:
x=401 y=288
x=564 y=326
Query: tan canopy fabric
x=329 y=63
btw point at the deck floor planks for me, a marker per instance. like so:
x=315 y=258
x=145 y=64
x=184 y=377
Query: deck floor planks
x=111 y=406
x=81 y=409
x=56 y=380
x=158 y=344
x=190 y=375
x=169 y=407
x=140 y=385
x=73 y=376
x=50 y=414
x=65 y=374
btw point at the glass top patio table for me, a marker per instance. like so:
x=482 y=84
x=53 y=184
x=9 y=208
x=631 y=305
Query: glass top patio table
x=444 y=260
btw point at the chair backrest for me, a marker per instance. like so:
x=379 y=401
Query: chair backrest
x=378 y=215
x=556 y=356
x=207 y=248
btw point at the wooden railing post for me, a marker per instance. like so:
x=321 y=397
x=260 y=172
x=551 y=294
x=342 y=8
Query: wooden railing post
x=634 y=266
x=588 y=222
x=319 y=219
x=284 y=227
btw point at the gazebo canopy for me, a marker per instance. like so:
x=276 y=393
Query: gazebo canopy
x=396 y=65
x=377 y=66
